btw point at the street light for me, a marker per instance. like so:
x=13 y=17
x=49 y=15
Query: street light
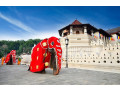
x=66 y=43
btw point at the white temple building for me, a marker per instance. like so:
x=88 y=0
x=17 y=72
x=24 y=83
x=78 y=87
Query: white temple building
x=89 y=45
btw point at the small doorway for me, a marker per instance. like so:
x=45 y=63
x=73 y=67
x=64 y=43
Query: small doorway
x=77 y=32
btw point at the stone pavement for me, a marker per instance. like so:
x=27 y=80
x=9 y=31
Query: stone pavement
x=18 y=75
x=103 y=68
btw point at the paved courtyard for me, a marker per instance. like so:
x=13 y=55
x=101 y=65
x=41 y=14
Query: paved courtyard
x=18 y=75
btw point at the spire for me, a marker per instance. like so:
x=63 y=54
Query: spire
x=76 y=22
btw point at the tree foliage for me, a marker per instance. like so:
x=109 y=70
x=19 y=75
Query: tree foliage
x=20 y=46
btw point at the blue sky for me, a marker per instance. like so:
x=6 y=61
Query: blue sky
x=23 y=23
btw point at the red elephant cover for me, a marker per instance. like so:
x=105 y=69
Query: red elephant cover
x=41 y=54
x=13 y=53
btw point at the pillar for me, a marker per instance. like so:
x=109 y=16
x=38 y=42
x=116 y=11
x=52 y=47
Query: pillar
x=104 y=40
x=92 y=32
x=99 y=38
x=85 y=29
x=71 y=30
x=62 y=34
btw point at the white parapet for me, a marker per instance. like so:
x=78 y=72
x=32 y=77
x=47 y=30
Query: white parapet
x=26 y=59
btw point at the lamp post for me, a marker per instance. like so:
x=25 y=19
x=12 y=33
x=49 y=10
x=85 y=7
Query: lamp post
x=66 y=43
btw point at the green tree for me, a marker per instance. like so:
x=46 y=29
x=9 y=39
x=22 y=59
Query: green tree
x=20 y=46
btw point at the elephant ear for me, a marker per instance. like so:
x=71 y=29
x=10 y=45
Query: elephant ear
x=13 y=53
x=7 y=58
x=37 y=56
x=54 y=43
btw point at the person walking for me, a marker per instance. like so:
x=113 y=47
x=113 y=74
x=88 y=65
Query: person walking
x=19 y=61
x=3 y=59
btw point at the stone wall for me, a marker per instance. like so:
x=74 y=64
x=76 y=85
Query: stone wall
x=94 y=55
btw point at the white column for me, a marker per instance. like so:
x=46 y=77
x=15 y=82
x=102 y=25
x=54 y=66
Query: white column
x=92 y=32
x=99 y=35
x=99 y=38
x=62 y=34
x=104 y=40
x=115 y=37
x=92 y=35
x=85 y=29
x=71 y=30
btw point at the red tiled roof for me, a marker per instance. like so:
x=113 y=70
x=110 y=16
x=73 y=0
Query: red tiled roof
x=76 y=22
x=114 y=30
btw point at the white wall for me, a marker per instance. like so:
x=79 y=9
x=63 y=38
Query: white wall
x=83 y=52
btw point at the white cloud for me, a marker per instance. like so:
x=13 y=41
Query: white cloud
x=29 y=34
x=9 y=37
x=17 y=23
x=43 y=35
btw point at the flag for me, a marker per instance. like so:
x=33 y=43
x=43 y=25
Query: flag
x=95 y=37
x=112 y=39
x=109 y=38
x=118 y=37
x=100 y=35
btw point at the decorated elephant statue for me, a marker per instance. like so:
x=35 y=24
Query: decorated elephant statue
x=11 y=58
x=46 y=54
